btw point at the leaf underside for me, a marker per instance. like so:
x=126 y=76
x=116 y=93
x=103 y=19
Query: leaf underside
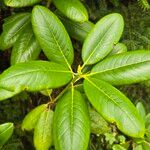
x=43 y=131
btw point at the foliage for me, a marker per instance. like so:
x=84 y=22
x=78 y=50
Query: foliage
x=6 y=131
x=63 y=121
x=144 y=4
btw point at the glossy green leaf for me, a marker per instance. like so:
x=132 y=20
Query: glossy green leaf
x=141 y=110
x=6 y=131
x=52 y=36
x=20 y=3
x=77 y=30
x=30 y=120
x=73 y=9
x=43 y=131
x=125 y=68
x=34 y=76
x=102 y=37
x=119 y=48
x=12 y=28
x=26 y=47
x=5 y=94
x=71 y=122
x=114 y=107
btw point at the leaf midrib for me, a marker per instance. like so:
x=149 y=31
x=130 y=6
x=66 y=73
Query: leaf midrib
x=46 y=123
x=72 y=115
x=26 y=48
x=104 y=35
x=15 y=19
x=6 y=129
x=20 y=29
x=112 y=69
x=56 y=41
x=77 y=12
x=38 y=70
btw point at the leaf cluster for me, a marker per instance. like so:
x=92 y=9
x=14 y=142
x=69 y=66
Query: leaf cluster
x=64 y=121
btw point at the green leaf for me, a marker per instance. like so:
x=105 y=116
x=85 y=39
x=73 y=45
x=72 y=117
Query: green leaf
x=20 y=3
x=77 y=30
x=5 y=94
x=71 y=122
x=125 y=68
x=12 y=28
x=73 y=9
x=114 y=107
x=6 y=131
x=26 y=47
x=52 y=36
x=141 y=110
x=102 y=37
x=118 y=48
x=43 y=131
x=98 y=124
x=118 y=147
x=30 y=120
x=34 y=76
